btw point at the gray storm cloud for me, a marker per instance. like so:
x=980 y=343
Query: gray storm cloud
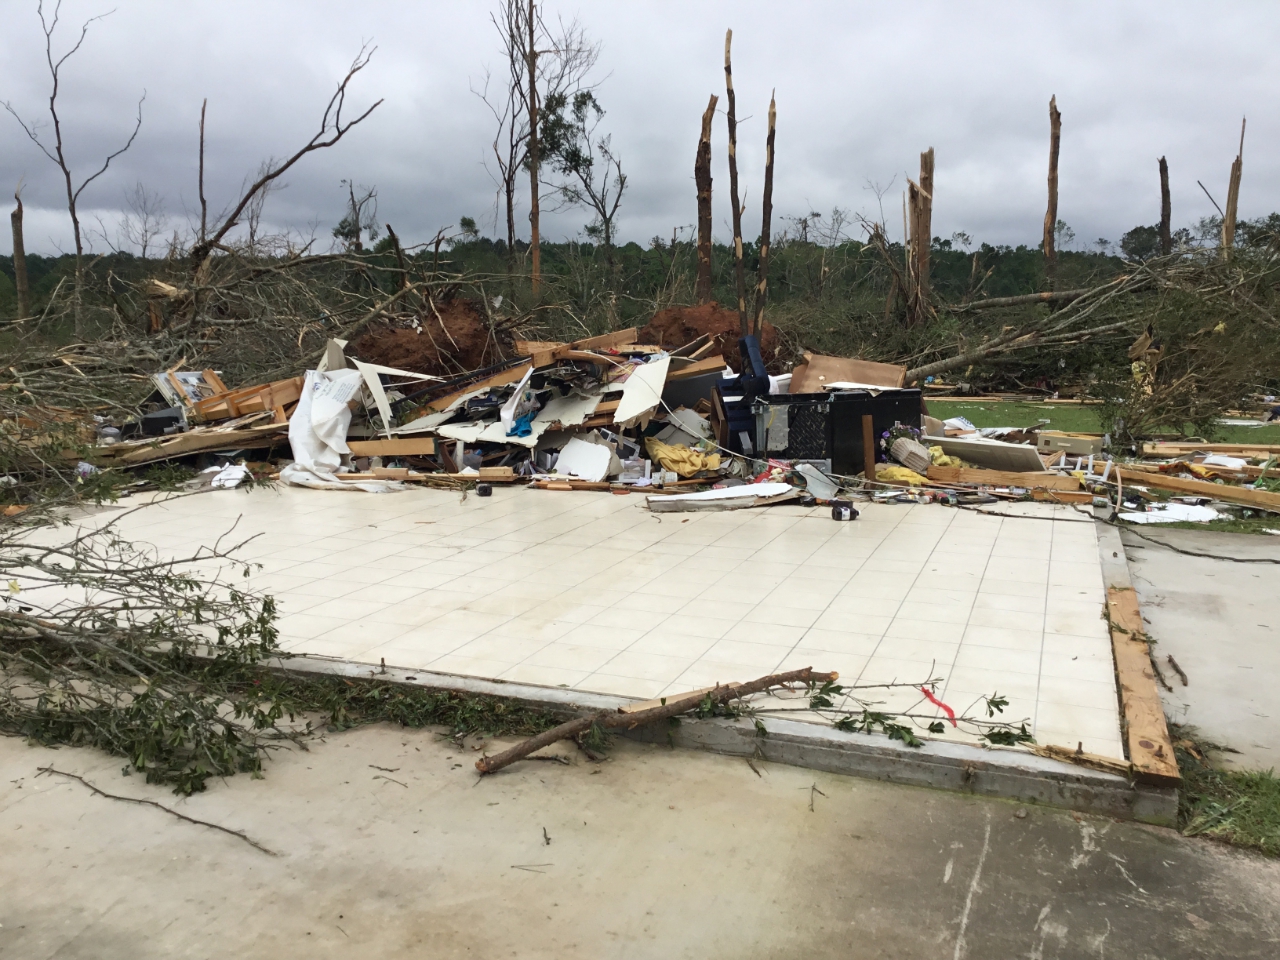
x=861 y=89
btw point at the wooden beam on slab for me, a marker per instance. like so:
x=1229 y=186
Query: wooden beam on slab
x=1003 y=478
x=1260 y=499
x=1143 y=724
x=402 y=447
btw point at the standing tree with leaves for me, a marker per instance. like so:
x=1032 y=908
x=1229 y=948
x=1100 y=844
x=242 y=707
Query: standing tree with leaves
x=593 y=169
x=58 y=153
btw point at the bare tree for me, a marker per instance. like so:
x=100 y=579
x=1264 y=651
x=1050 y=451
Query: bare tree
x=1051 y=214
x=766 y=213
x=145 y=219
x=702 y=180
x=58 y=154
x=332 y=129
x=1166 y=211
x=510 y=139
x=740 y=278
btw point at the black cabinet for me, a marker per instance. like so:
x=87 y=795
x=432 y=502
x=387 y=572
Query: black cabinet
x=828 y=426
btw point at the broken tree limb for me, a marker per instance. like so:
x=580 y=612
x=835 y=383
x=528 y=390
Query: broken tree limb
x=702 y=180
x=160 y=806
x=614 y=720
x=740 y=278
x=1051 y=214
x=1051 y=296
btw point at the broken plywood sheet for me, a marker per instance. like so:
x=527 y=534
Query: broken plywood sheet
x=642 y=391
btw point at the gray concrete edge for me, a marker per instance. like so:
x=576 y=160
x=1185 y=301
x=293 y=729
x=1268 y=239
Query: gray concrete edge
x=1012 y=774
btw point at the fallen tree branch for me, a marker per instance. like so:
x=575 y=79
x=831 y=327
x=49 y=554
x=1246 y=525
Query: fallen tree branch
x=672 y=707
x=160 y=806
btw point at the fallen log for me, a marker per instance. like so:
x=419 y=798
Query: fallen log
x=612 y=720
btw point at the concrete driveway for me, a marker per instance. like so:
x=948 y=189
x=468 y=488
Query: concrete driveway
x=1220 y=621
x=387 y=845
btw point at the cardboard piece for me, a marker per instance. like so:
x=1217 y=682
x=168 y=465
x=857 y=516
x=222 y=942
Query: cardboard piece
x=725 y=498
x=818 y=371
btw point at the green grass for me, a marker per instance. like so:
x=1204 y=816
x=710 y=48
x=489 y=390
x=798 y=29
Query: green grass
x=1241 y=808
x=1068 y=417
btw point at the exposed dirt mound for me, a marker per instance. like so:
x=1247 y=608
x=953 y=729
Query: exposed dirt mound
x=676 y=326
x=461 y=344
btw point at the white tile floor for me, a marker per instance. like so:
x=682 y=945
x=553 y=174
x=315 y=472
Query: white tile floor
x=591 y=591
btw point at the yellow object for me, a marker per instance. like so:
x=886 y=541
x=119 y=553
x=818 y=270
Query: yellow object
x=680 y=459
x=939 y=459
x=899 y=475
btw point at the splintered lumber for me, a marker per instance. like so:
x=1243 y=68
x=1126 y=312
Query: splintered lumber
x=193 y=441
x=616 y=720
x=545 y=352
x=1093 y=761
x=256 y=399
x=1260 y=499
x=402 y=447
x=1003 y=478
x=1145 y=729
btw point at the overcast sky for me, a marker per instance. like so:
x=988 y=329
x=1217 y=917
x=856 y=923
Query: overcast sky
x=862 y=88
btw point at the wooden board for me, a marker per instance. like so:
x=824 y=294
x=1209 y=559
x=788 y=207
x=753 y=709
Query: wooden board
x=402 y=447
x=1062 y=496
x=1003 y=478
x=510 y=375
x=1143 y=724
x=697 y=367
x=1203 y=488
x=1230 y=449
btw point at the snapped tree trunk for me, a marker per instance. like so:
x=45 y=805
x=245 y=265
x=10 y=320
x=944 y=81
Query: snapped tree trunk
x=534 y=238
x=766 y=213
x=20 y=262
x=740 y=277
x=702 y=180
x=924 y=225
x=1051 y=214
x=1233 y=200
x=1166 y=211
